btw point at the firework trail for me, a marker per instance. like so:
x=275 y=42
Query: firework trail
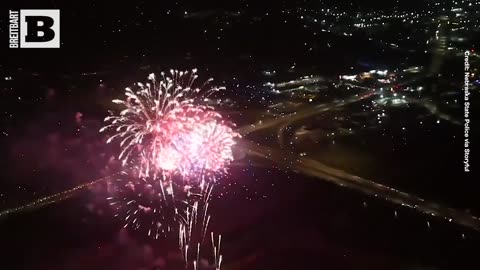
x=193 y=231
x=173 y=150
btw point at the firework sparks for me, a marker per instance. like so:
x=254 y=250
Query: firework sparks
x=148 y=204
x=165 y=124
x=193 y=231
x=178 y=147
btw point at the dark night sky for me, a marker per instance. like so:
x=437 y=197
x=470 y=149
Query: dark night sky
x=90 y=29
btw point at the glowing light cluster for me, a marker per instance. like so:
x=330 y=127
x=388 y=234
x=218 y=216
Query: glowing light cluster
x=199 y=143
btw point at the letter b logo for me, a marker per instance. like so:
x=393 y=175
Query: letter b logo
x=40 y=28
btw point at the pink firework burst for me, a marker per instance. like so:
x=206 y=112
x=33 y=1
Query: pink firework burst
x=173 y=148
x=200 y=143
x=165 y=124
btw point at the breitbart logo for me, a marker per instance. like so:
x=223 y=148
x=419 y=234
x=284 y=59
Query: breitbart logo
x=34 y=28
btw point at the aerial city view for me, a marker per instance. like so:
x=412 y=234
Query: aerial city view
x=234 y=135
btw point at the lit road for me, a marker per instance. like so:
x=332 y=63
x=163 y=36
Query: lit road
x=304 y=114
x=317 y=169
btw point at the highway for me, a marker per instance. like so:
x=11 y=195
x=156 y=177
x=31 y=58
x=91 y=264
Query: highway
x=317 y=169
x=260 y=125
x=314 y=168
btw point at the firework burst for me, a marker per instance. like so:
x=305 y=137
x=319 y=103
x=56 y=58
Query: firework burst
x=165 y=124
x=173 y=149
